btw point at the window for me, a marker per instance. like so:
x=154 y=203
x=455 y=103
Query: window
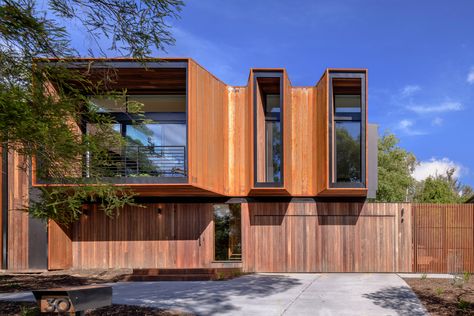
x=159 y=103
x=155 y=139
x=227 y=232
x=105 y=104
x=139 y=103
x=268 y=127
x=347 y=108
x=156 y=134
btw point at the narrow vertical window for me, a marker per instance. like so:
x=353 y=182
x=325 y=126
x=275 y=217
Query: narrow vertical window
x=268 y=129
x=348 y=129
x=227 y=232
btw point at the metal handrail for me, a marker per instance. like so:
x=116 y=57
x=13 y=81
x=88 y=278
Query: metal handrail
x=138 y=160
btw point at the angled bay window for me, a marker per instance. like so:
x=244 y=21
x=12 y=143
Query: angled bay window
x=268 y=129
x=347 y=130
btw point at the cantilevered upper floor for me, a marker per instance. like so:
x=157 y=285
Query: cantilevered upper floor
x=202 y=137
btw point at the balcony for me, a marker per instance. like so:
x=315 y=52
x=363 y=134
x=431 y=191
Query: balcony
x=140 y=164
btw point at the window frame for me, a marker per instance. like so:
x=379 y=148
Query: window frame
x=267 y=74
x=348 y=117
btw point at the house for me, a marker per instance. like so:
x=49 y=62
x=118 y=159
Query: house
x=264 y=177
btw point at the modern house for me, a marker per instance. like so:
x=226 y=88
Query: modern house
x=263 y=177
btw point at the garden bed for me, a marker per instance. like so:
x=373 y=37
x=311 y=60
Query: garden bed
x=30 y=309
x=19 y=282
x=445 y=296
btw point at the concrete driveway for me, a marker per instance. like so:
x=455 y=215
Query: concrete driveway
x=274 y=294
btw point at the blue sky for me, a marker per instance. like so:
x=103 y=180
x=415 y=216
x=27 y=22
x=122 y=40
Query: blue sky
x=420 y=56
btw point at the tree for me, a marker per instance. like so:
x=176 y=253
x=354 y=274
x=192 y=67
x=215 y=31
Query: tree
x=37 y=118
x=395 y=166
x=442 y=189
x=436 y=190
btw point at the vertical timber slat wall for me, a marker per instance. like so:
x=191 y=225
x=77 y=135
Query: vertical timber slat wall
x=155 y=236
x=287 y=133
x=302 y=157
x=444 y=238
x=321 y=134
x=59 y=247
x=326 y=237
x=239 y=142
x=18 y=185
x=296 y=236
x=207 y=137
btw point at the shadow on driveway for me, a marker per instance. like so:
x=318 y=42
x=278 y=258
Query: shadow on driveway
x=397 y=298
x=210 y=297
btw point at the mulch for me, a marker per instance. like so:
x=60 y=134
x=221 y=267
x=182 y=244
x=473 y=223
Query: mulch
x=10 y=283
x=28 y=282
x=445 y=296
x=31 y=309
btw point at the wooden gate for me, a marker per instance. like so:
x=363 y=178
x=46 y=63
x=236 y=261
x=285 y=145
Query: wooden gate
x=444 y=238
x=327 y=237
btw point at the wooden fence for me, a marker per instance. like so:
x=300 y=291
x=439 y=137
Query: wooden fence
x=327 y=237
x=305 y=236
x=443 y=238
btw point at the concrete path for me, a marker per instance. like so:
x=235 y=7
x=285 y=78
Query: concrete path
x=274 y=294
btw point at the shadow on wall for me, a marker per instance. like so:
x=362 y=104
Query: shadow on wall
x=273 y=214
x=344 y=213
x=154 y=222
x=268 y=214
x=400 y=298
x=202 y=298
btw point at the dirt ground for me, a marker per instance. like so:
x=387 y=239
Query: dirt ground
x=18 y=282
x=30 y=309
x=445 y=296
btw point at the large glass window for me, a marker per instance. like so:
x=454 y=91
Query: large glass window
x=268 y=129
x=348 y=163
x=155 y=141
x=227 y=232
x=348 y=129
x=157 y=134
x=103 y=104
x=159 y=103
x=139 y=103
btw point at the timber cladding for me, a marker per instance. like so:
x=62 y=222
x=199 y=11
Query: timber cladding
x=327 y=237
x=294 y=236
x=155 y=236
x=18 y=219
x=299 y=235
x=302 y=236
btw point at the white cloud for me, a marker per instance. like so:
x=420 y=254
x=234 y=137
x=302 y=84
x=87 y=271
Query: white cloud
x=405 y=124
x=407 y=127
x=443 y=107
x=435 y=167
x=470 y=76
x=437 y=121
x=409 y=90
